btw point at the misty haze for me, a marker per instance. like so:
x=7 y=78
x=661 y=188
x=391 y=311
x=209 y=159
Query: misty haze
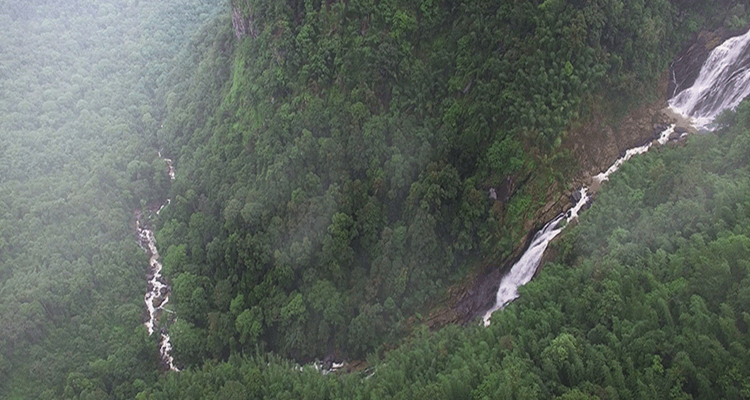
x=249 y=199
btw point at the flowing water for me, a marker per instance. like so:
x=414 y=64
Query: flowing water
x=723 y=82
x=157 y=295
x=524 y=269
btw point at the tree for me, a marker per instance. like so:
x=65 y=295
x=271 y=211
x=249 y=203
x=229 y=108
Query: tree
x=249 y=325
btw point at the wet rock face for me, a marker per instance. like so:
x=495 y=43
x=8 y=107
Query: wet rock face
x=480 y=297
x=238 y=23
x=482 y=294
x=687 y=64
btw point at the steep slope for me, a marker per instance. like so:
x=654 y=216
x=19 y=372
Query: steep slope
x=76 y=160
x=340 y=158
x=648 y=299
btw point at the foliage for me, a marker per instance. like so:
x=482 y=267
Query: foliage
x=77 y=156
x=653 y=305
x=355 y=143
x=334 y=170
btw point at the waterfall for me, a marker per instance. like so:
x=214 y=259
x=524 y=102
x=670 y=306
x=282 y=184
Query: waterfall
x=723 y=82
x=157 y=295
x=170 y=167
x=523 y=270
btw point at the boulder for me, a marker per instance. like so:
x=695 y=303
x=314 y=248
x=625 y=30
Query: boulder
x=658 y=129
x=575 y=197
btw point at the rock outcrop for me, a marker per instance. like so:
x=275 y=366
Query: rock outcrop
x=687 y=64
x=243 y=25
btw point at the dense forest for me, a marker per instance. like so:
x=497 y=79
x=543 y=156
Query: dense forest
x=334 y=161
x=648 y=298
x=336 y=158
x=78 y=157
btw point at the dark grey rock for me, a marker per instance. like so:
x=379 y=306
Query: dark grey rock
x=687 y=64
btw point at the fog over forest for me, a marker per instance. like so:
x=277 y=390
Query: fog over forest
x=336 y=191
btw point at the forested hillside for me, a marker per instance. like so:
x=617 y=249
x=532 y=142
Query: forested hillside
x=78 y=156
x=648 y=299
x=343 y=168
x=337 y=157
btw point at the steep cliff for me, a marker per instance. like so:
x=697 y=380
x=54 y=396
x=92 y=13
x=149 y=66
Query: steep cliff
x=360 y=160
x=687 y=63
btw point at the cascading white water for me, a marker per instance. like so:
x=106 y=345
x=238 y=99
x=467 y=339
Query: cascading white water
x=723 y=82
x=157 y=295
x=522 y=271
x=170 y=167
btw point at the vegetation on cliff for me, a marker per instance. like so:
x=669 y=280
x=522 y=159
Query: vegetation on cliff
x=335 y=161
x=648 y=299
x=77 y=159
x=338 y=157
